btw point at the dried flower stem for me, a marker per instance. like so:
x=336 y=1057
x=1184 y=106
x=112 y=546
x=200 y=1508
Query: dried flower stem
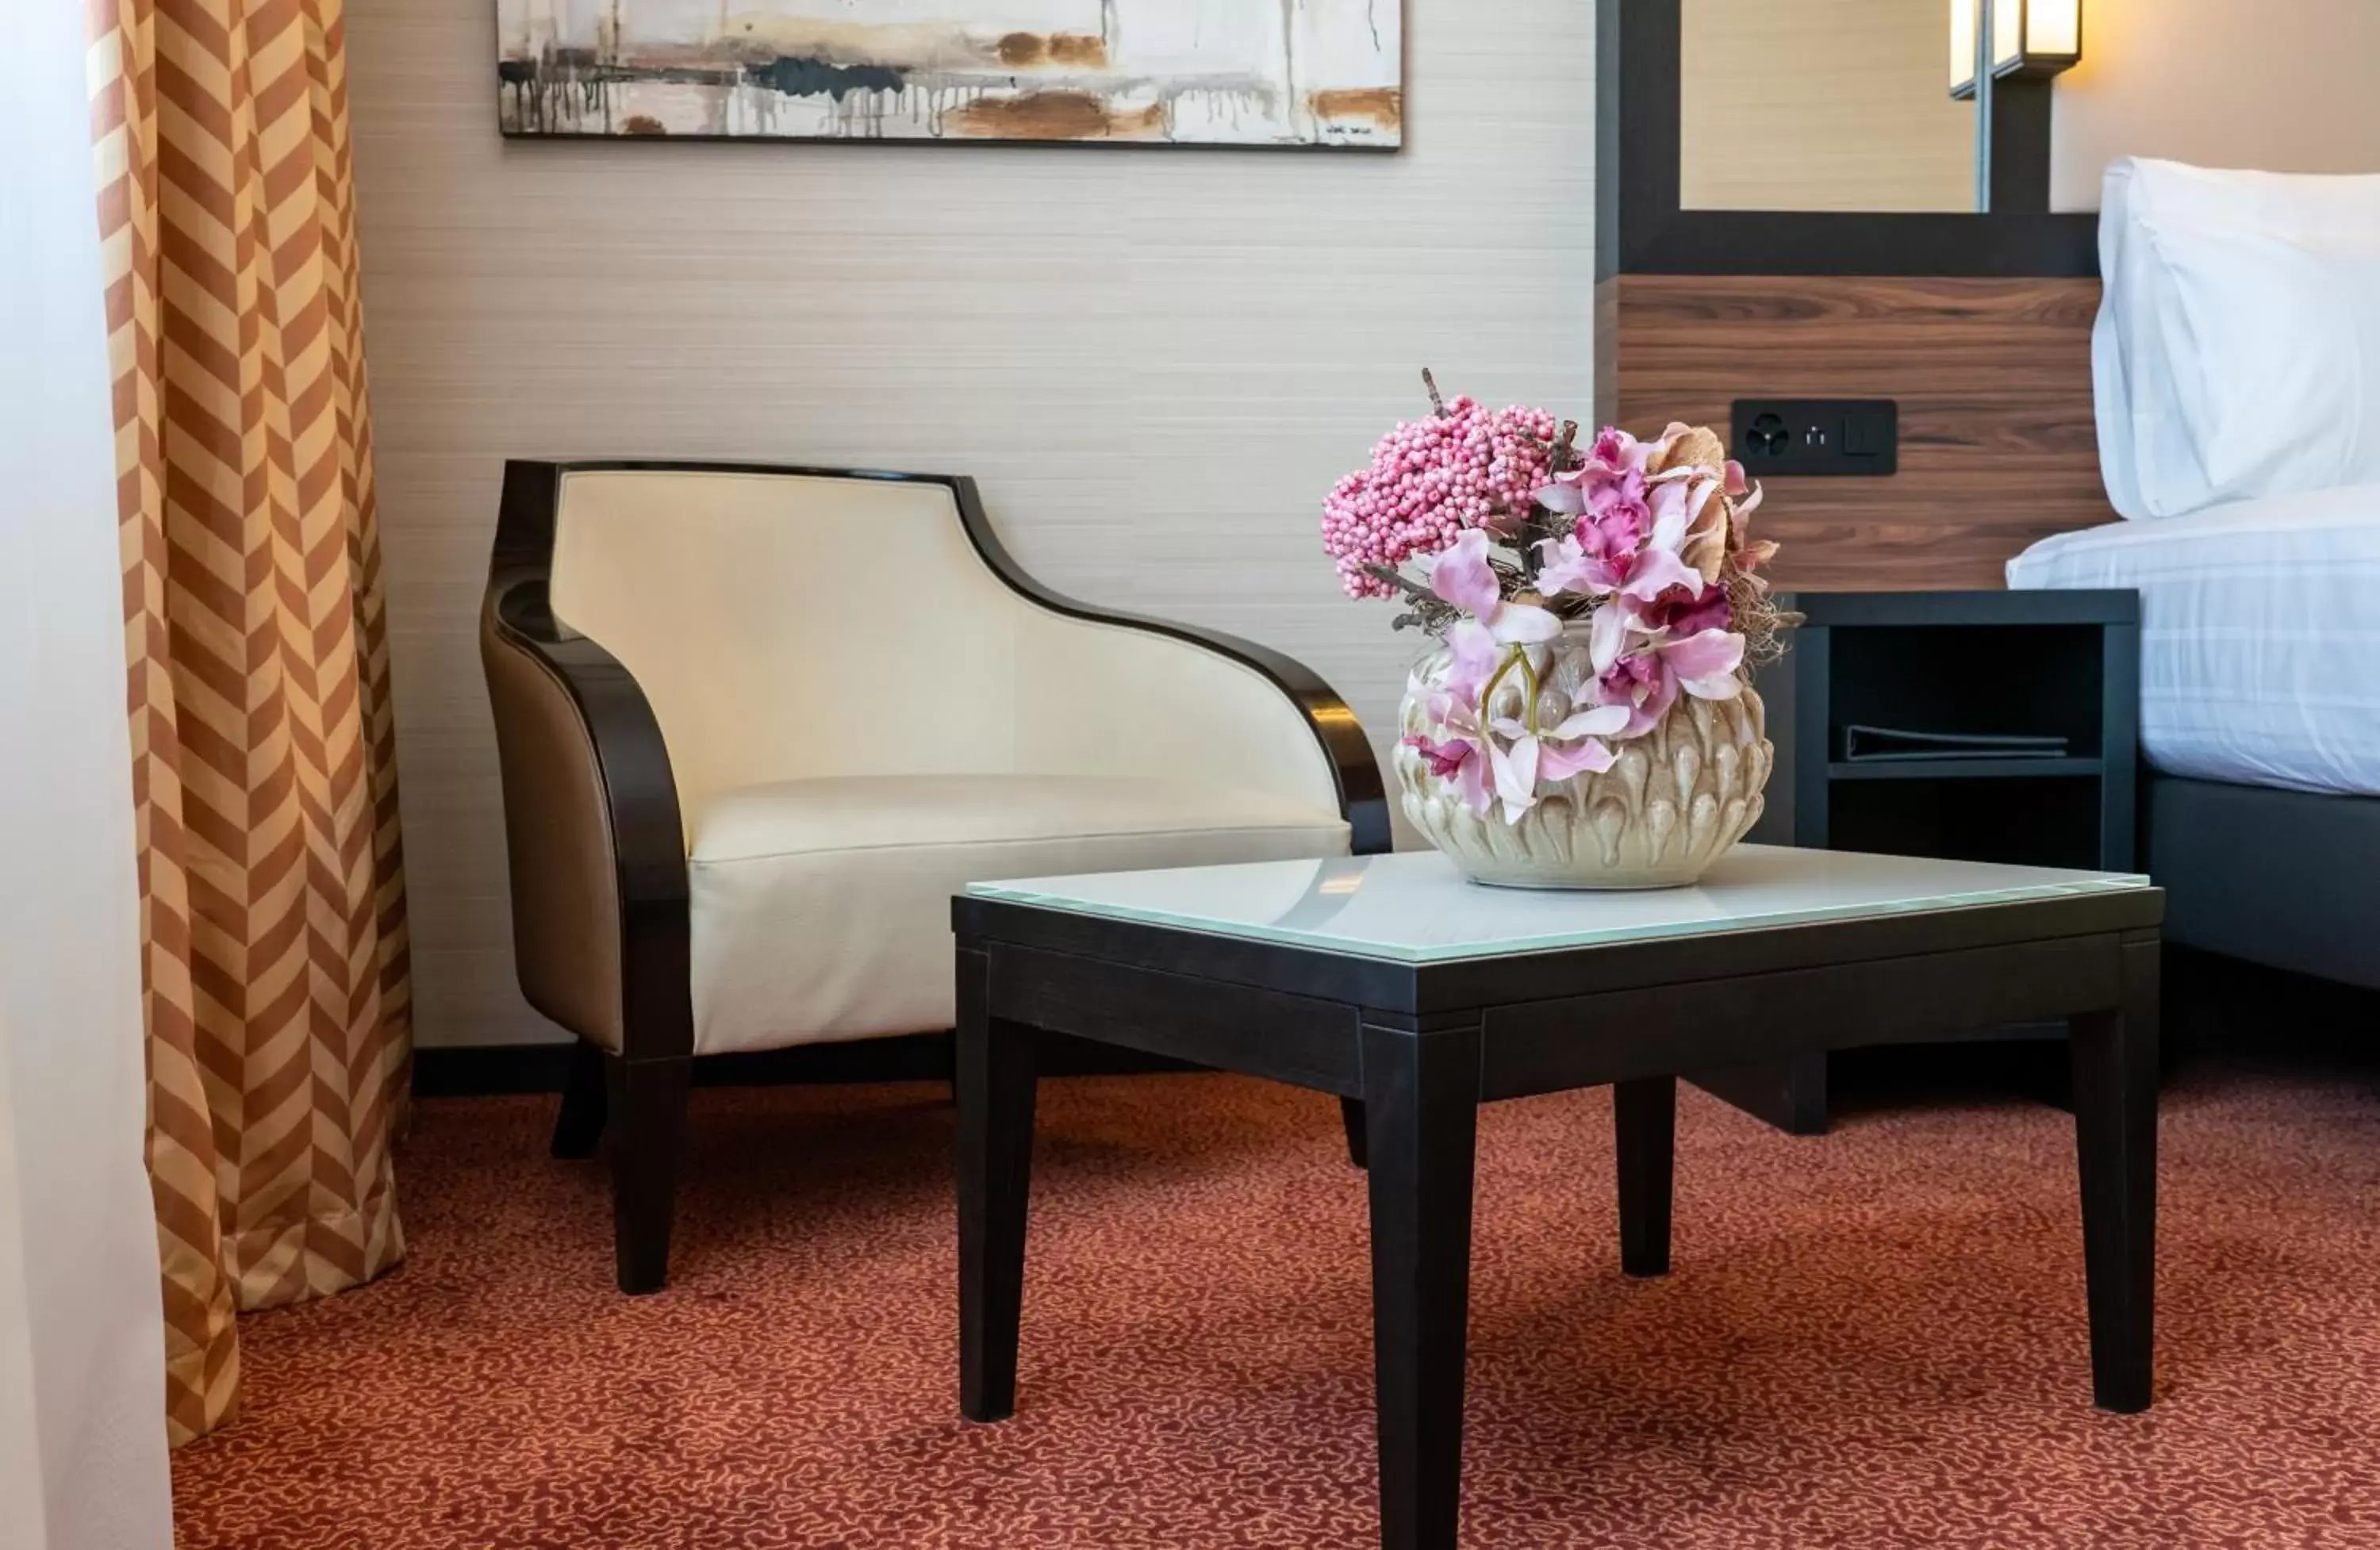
x=1437 y=399
x=1565 y=448
x=1753 y=614
x=1529 y=687
x=1431 y=614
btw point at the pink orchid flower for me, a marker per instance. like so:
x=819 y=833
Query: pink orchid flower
x=1463 y=576
x=1677 y=498
x=1616 y=449
x=1443 y=758
x=1649 y=680
x=1653 y=584
x=1643 y=686
x=1576 y=565
x=1620 y=513
x=1458 y=759
x=1658 y=572
x=1574 y=747
x=1515 y=770
x=1504 y=759
x=1600 y=557
x=1567 y=494
x=1678 y=613
x=1596 y=486
x=1475 y=655
x=1705 y=664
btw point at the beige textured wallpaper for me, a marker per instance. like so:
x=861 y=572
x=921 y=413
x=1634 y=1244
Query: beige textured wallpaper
x=1156 y=360
x=2283 y=85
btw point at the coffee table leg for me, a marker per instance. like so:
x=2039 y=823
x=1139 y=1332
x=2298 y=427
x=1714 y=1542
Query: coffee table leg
x=1351 y=1119
x=995 y=1091
x=2115 y=1057
x=1421 y=1102
x=1644 y=1117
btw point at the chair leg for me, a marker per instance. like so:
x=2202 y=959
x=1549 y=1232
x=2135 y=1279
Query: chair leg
x=580 y=1124
x=648 y=1104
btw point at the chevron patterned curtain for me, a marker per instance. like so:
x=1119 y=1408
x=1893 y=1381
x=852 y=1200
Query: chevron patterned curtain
x=274 y=901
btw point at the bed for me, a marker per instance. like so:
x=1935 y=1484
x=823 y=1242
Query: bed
x=2260 y=719
x=2236 y=373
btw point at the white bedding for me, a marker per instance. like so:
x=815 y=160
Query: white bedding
x=2237 y=353
x=2260 y=635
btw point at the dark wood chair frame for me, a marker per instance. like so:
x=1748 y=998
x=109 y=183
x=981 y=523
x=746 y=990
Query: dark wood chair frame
x=641 y=1091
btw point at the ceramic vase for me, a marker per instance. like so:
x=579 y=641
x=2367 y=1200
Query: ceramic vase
x=1675 y=800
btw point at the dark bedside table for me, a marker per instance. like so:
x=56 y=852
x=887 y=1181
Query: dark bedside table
x=2064 y=664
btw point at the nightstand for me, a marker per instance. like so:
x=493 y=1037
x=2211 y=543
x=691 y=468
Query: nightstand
x=2062 y=665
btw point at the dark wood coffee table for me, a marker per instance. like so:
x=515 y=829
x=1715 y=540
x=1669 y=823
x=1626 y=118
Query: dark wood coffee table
x=1393 y=984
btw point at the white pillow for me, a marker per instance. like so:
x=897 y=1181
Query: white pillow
x=2237 y=353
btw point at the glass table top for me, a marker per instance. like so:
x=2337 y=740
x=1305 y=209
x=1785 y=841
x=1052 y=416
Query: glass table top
x=1414 y=907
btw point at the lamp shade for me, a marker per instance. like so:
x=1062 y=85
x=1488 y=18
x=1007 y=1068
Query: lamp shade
x=2035 y=39
x=1964 y=40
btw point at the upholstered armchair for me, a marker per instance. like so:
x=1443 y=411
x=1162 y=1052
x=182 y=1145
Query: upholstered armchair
x=755 y=725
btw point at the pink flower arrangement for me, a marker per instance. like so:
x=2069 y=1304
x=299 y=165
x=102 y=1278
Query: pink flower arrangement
x=1430 y=480
x=1513 y=536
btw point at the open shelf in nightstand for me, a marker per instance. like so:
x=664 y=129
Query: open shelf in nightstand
x=2060 y=664
x=1965 y=770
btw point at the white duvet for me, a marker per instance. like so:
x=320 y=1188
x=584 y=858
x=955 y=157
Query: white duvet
x=2260 y=635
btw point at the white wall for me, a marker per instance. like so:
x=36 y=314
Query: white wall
x=2285 y=85
x=1156 y=360
x=82 y=1339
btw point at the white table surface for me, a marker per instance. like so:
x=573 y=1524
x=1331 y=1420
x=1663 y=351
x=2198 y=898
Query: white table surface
x=1414 y=907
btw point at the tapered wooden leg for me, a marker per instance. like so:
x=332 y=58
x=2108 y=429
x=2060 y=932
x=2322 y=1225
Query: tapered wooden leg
x=1351 y=1119
x=648 y=1109
x=1421 y=1100
x=1644 y=1118
x=580 y=1124
x=996 y=1082
x=2115 y=1058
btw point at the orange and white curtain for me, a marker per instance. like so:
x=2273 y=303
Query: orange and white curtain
x=264 y=777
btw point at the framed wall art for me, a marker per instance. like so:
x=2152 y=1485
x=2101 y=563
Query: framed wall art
x=1310 y=73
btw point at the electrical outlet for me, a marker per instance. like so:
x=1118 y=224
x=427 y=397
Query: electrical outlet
x=1824 y=436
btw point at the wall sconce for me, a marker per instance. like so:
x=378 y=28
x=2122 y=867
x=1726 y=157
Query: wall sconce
x=1965 y=40
x=2030 y=39
x=2033 y=39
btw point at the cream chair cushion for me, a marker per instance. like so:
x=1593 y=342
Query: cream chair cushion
x=821 y=908
x=800 y=626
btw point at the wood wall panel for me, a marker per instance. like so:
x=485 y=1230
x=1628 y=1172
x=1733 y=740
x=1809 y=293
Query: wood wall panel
x=1992 y=376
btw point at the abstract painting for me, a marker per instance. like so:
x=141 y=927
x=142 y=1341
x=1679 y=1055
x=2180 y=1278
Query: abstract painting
x=1181 y=72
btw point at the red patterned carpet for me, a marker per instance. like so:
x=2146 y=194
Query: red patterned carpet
x=1874 y=1339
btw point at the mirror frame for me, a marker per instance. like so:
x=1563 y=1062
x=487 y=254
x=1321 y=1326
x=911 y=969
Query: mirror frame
x=1641 y=228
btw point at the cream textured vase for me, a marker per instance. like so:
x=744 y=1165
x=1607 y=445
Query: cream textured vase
x=1677 y=799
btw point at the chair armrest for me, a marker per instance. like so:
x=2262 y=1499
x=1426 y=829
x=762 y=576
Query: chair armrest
x=592 y=833
x=1339 y=740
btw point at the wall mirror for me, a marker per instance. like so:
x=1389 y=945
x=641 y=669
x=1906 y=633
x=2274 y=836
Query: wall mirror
x=1827 y=104
x=1833 y=136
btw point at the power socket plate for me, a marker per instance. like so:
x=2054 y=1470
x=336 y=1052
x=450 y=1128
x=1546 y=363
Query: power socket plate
x=1838 y=437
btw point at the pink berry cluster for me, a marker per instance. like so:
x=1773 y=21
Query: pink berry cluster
x=1428 y=480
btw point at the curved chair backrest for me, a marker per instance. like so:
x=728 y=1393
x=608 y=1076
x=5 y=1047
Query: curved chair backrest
x=789 y=625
